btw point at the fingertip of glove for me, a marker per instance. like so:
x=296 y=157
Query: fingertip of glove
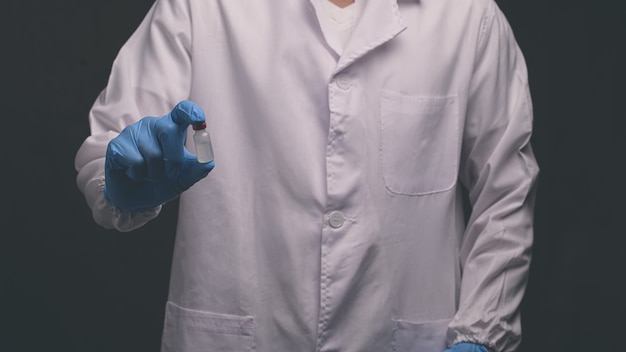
x=188 y=112
x=185 y=106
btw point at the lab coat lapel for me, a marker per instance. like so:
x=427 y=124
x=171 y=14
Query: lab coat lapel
x=378 y=21
x=326 y=27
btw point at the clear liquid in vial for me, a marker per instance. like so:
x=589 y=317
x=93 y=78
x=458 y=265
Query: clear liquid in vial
x=202 y=141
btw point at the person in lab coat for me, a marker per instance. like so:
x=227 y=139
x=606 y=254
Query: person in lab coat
x=345 y=134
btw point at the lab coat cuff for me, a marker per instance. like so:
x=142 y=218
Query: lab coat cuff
x=110 y=217
x=455 y=337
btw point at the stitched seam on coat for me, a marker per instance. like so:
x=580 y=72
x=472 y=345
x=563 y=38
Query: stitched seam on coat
x=324 y=267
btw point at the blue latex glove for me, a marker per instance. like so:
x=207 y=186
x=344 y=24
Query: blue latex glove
x=467 y=347
x=148 y=165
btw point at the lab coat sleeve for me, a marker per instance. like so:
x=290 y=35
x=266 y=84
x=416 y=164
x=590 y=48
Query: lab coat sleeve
x=151 y=73
x=499 y=170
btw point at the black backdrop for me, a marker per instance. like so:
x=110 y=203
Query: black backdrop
x=68 y=285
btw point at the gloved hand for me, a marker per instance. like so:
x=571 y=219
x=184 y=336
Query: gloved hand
x=147 y=164
x=467 y=347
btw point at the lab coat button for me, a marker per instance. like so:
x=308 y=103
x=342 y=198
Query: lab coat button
x=343 y=82
x=336 y=220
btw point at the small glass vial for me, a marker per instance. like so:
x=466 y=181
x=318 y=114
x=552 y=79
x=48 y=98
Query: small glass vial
x=202 y=140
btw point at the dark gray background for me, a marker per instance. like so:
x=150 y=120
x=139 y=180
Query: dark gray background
x=68 y=285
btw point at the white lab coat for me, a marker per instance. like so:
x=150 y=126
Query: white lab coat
x=333 y=220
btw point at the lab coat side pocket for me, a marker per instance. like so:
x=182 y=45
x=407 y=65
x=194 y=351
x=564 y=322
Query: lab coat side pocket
x=420 y=140
x=187 y=330
x=427 y=336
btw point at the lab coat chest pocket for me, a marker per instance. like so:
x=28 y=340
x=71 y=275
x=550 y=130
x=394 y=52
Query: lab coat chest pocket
x=420 y=337
x=419 y=139
x=189 y=330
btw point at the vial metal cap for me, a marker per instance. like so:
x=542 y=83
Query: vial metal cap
x=199 y=126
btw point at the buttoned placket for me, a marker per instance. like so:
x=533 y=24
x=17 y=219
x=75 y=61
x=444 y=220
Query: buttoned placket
x=337 y=223
x=337 y=220
x=339 y=90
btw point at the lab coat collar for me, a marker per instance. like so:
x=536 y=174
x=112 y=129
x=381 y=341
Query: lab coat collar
x=378 y=21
